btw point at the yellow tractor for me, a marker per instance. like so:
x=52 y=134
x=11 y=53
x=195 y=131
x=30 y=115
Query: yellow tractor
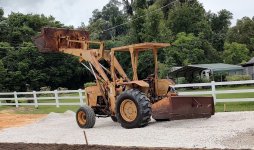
x=131 y=102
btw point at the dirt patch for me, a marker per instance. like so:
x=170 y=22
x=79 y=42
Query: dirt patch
x=19 y=109
x=15 y=120
x=23 y=146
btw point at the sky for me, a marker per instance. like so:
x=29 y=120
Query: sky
x=73 y=12
x=239 y=8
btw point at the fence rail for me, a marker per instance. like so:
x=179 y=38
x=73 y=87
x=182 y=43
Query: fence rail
x=37 y=99
x=214 y=92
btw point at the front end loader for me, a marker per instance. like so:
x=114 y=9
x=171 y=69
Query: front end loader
x=129 y=101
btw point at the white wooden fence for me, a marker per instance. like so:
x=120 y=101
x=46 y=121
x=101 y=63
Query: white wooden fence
x=212 y=91
x=59 y=96
x=37 y=98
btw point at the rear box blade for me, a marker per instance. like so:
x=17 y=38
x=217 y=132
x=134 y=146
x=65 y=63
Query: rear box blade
x=183 y=107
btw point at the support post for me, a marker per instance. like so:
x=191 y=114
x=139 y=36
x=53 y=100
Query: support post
x=35 y=99
x=81 y=97
x=57 y=98
x=85 y=137
x=16 y=99
x=213 y=91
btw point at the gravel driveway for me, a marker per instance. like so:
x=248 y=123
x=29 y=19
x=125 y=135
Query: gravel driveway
x=223 y=130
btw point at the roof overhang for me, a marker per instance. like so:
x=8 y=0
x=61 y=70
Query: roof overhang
x=186 y=71
x=190 y=69
x=248 y=64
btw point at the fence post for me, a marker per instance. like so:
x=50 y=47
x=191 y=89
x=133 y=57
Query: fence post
x=213 y=91
x=57 y=98
x=81 y=97
x=35 y=99
x=16 y=99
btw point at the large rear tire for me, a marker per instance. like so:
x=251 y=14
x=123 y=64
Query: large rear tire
x=133 y=109
x=85 y=117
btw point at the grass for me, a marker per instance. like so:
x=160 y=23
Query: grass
x=43 y=109
x=235 y=106
x=235 y=95
x=219 y=88
x=224 y=96
x=39 y=110
x=232 y=106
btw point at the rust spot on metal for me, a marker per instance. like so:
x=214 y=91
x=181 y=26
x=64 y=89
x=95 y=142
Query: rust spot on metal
x=51 y=39
x=183 y=107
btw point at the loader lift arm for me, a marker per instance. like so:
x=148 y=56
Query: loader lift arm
x=76 y=43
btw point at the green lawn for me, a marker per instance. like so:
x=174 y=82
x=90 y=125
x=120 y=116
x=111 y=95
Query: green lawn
x=230 y=106
x=233 y=106
x=236 y=106
x=39 y=110
x=44 y=109
x=235 y=95
x=224 y=96
x=218 y=88
x=60 y=100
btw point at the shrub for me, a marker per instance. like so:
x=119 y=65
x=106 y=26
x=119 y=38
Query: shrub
x=238 y=77
x=219 y=77
x=45 y=88
x=182 y=80
x=89 y=84
x=62 y=89
x=204 y=80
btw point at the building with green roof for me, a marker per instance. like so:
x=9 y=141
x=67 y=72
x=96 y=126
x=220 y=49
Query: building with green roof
x=207 y=71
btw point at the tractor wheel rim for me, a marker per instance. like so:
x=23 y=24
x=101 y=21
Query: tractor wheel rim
x=82 y=117
x=128 y=110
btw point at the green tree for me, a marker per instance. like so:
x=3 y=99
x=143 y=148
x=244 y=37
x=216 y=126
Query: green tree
x=21 y=28
x=1 y=14
x=4 y=28
x=212 y=55
x=220 y=24
x=235 y=53
x=27 y=66
x=4 y=49
x=186 y=49
x=145 y=64
x=188 y=17
x=152 y=24
x=166 y=5
x=3 y=73
x=243 y=32
x=141 y=4
x=163 y=70
x=108 y=18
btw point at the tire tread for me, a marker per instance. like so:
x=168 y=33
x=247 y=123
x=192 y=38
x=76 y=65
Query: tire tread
x=143 y=104
x=90 y=117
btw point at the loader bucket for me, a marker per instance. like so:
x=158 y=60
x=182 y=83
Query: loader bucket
x=51 y=39
x=183 y=107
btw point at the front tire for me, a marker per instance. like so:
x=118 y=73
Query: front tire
x=85 y=117
x=133 y=109
x=114 y=118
